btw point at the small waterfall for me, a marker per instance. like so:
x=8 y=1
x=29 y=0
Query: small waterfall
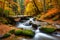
x=42 y=36
x=25 y=25
x=38 y=35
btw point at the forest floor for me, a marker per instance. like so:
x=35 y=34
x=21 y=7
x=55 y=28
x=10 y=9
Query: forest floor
x=5 y=29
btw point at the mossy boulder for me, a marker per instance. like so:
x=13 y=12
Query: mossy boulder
x=6 y=35
x=34 y=26
x=12 y=31
x=18 y=32
x=47 y=30
x=28 y=33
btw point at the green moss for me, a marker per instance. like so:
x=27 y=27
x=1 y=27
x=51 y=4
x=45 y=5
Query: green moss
x=47 y=30
x=18 y=32
x=6 y=35
x=28 y=33
x=12 y=31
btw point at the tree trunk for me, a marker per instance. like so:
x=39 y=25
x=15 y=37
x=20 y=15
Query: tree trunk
x=44 y=6
x=37 y=9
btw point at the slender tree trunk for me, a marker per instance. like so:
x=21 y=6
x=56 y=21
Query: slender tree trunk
x=37 y=11
x=3 y=8
x=44 y=6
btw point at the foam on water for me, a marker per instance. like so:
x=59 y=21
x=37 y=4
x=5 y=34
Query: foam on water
x=38 y=35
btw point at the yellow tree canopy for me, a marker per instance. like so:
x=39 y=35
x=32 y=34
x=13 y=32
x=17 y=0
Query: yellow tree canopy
x=29 y=10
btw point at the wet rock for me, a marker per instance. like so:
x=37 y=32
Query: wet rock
x=34 y=26
x=30 y=23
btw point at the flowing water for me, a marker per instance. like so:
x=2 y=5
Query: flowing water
x=38 y=35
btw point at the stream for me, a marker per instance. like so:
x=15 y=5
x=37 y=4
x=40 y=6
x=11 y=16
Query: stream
x=38 y=34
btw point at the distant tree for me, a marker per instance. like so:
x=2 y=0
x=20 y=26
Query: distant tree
x=15 y=0
x=15 y=8
x=1 y=10
x=6 y=13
